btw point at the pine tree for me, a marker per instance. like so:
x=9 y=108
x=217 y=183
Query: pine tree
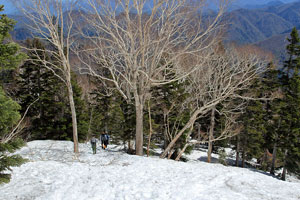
x=271 y=84
x=290 y=137
x=260 y=120
x=109 y=113
x=293 y=50
x=35 y=81
x=50 y=115
x=290 y=115
x=169 y=113
x=10 y=57
x=9 y=116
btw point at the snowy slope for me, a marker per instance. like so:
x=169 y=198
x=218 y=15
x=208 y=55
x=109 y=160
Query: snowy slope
x=53 y=173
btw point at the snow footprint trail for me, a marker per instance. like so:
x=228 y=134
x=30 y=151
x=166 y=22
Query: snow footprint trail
x=62 y=151
x=55 y=174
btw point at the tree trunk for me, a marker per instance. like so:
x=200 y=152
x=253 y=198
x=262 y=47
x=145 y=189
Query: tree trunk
x=150 y=129
x=185 y=146
x=211 y=134
x=237 y=159
x=199 y=132
x=188 y=125
x=166 y=141
x=172 y=151
x=272 y=171
x=182 y=151
x=139 y=129
x=129 y=146
x=243 y=158
x=90 y=122
x=283 y=176
x=74 y=119
x=41 y=114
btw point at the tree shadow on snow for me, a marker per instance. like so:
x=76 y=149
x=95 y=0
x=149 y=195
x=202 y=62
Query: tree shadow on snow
x=263 y=172
x=204 y=159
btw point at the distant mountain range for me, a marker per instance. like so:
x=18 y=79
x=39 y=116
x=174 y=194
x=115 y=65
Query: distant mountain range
x=254 y=4
x=265 y=25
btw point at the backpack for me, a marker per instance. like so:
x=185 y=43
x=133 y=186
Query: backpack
x=93 y=140
x=106 y=137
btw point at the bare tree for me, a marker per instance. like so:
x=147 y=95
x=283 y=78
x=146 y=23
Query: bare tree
x=51 y=21
x=230 y=129
x=221 y=79
x=17 y=130
x=143 y=43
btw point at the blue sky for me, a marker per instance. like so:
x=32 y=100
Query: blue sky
x=8 y=6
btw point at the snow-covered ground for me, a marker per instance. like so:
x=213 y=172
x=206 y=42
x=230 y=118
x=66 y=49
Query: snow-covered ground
x=53 y=173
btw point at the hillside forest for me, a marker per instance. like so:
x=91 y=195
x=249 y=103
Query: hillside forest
x=163 y=78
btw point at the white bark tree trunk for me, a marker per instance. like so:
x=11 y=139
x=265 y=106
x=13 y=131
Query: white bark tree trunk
x=139 y=128
x=150 y=129
x=74 y=118
x=211 y=134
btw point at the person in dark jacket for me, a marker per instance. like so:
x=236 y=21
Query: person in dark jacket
x=94 y=144
x=104 y=140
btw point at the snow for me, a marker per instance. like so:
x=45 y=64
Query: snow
x=54 y=173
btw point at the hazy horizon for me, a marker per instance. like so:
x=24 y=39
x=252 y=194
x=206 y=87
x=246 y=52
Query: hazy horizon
x=9 y=8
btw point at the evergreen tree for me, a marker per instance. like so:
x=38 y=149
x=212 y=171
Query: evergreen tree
x=293 y=50
x=50 y=115
x=111 y=113
x=9 y=116
x=251 y=138
x=126 y=121
x=9 y=109
x=271 y=84
x=10 y=55
x=169 y=113
x=260 y=121
x=289 y=132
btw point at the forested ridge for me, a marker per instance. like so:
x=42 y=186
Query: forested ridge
x=151 y=81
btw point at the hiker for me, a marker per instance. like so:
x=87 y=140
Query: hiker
x=104 y=140
x=94 y=144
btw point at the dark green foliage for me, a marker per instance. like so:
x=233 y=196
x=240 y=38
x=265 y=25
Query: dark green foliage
x=9 y=116
x=111 y=113
x=293 y=50
x=289 y=135
x=290 y=129
x=9 y=109
x=260 y=120
x=8 y=112
x=169 y=114
x=127 y=133
x=6 y=161
x=10 y=56
x=275 y=125
x=252 y=136
x=222 y=157
x=50 y=116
